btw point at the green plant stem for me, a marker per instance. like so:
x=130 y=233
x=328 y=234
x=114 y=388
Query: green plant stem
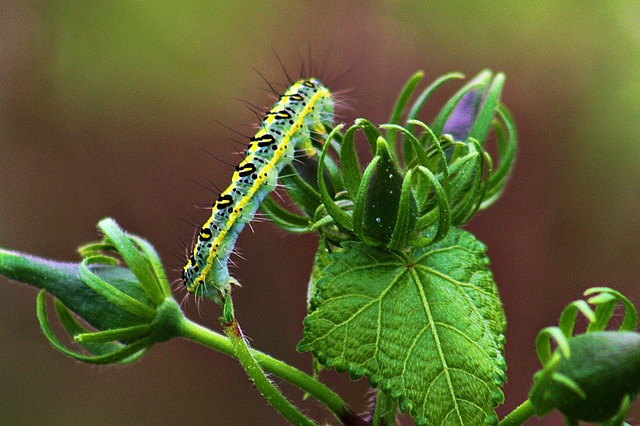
x=385 y=410
x=260 y=380
x=197 y=333
x=518 y=416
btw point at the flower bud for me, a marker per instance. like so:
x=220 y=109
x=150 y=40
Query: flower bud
x=606 y=367
x=461 y=120
x=130 y=307
x=383 y=199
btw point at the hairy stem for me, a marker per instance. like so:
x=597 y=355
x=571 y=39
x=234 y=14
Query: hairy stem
x=197 y=333
x=518 y=416
x=260 y=380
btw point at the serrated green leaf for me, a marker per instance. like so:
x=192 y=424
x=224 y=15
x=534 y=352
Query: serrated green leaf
x=425 y=325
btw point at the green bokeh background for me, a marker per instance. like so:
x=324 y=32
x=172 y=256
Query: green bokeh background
x=121 y=108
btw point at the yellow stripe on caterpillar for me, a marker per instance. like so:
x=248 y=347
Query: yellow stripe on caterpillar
x=304 y=107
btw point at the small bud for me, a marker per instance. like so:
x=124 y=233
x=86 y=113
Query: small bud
x=383 y=198
x=606 y=367
x=461 y=120
x=130 y=307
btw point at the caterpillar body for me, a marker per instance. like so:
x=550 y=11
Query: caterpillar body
x=303 y=109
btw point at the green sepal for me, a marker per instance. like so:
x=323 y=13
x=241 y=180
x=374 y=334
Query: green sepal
x=302 y=192
x=605 y=300
x=556 y=387
x=74 y=329
x=343 y=219
x=398 y=109
x=438 y=165
x=382 y=200
x=427 y=92
x=112 y=294
x=135 y=349
x=285 y=219
x=95 y=248
x=472 y=193
x=360 y=202
x=507 y=147
x=370 y=131
x=410 y=142
x=406 y=217
x=541 y=405
x=349 y=162
x=443 y=217
x=327 y=226
x=543 y=344
x=62 y=280
x=462 y=196
x=332 y=168
x=153 y=259
x=409 y=150
x=481 y=127
x=621 y=415
x=107 y=296
x=141 y=268
x=120 y=334
x=568 y=317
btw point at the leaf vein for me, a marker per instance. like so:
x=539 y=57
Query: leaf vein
x=434 y=332
x=465 y=336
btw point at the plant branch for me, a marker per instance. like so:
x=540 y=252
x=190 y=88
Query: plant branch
x=260 y=380
x=518 y=416
x=199 y=334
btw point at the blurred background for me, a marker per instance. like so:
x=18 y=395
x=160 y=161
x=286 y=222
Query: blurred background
x=123 y=109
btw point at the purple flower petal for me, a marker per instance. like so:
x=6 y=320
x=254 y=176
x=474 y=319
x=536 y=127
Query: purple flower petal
x=461 y=120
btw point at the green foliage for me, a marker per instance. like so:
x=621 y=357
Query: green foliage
x=425 y=325
x=119 y=302
x=398 y=294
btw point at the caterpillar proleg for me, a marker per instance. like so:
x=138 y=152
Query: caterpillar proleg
x=287 y=127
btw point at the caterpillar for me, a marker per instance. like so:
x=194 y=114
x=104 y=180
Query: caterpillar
x=287 y=127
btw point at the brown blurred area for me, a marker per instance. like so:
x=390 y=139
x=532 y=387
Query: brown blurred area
x=126 y=109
